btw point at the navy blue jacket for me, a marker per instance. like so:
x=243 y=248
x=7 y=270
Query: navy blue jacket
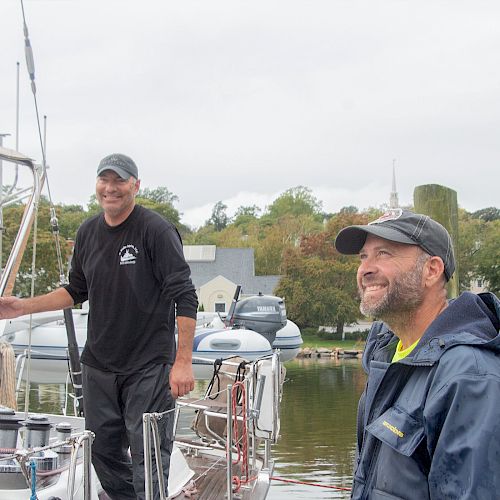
x=429 y=425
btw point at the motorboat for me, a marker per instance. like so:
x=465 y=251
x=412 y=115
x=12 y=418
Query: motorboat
x=44 y=336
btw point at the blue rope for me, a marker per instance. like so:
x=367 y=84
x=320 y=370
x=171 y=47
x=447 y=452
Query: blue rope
x=33 y=480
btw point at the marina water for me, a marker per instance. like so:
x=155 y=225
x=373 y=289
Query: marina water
x=318 y=426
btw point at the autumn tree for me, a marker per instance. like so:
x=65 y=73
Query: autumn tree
x=319 y=284
x=319 y=291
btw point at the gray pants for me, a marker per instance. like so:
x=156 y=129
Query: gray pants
x=113 y=406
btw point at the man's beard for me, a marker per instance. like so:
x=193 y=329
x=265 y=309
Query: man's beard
x=403 y=296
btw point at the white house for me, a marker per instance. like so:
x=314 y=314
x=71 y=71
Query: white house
x=216 y=272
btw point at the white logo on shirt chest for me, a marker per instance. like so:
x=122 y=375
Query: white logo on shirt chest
x=128 y=255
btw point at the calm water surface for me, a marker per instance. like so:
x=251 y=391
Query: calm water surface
x=318 y=428
x=318 y=425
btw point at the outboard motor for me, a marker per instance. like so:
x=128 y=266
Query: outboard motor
x=264 y=314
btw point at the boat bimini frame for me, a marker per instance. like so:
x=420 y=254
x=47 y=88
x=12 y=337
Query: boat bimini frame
x=38 y=172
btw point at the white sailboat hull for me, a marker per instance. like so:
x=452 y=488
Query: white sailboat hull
x=49 y=359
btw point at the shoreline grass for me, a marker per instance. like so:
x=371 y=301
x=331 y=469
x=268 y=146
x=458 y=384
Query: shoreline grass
x=312 y=341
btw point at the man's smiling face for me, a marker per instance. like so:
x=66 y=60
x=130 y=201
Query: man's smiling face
x=390 y=278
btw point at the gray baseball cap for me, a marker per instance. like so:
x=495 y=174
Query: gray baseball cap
x=123 y=165
x=402 y=226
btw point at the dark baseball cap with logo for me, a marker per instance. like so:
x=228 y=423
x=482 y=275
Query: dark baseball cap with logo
x=123 y=165
x=402 y=226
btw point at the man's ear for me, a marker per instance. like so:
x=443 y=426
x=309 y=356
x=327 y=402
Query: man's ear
x=435 y=270
x=137 y=185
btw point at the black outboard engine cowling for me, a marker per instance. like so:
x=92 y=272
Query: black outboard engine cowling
x=264 y=314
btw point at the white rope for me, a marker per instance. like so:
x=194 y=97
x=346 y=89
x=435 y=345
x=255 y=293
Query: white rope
x=7 y=376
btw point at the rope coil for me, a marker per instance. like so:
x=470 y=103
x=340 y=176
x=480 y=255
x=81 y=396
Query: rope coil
x=7 y=376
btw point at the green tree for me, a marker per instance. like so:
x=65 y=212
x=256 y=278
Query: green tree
x=274 y=239
x=219 y=218
x=160 y=195
x=488 y=257
x=246 y=215
x=470 y=234
x=295 y=202
x=204 y=235
x=70 y=218
x=47 y=275
x=247 y=210
x=487 y=214
x=166 y=210
x=478 y=249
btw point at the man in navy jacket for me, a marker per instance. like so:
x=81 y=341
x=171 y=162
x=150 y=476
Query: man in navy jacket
x=429 y=418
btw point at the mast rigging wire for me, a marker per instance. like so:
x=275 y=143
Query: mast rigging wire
x=73 y=352
x=30 y=63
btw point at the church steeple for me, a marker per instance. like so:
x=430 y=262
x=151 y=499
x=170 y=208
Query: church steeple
x=393 y=201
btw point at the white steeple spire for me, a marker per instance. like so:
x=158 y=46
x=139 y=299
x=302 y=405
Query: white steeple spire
x=393 y=201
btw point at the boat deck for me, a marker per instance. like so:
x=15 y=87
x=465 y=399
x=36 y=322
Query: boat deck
x=210 y=481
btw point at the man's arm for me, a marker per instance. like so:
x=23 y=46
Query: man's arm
x=181 y=374
x=12 y=307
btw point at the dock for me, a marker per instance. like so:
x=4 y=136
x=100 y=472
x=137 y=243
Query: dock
x=323 y=352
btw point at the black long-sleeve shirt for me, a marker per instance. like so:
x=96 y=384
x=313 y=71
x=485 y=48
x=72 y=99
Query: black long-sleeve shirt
x=133 y=275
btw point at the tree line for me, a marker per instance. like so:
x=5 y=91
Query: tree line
x=292 y=237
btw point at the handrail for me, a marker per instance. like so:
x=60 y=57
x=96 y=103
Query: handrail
x=254 y=388
x=84 y=439
x=229 y=444
x=38 y=172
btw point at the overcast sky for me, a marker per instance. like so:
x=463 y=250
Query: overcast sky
x=240 y=100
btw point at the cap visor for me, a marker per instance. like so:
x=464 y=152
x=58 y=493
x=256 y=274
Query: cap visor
x=350 y=240
x=122 y=173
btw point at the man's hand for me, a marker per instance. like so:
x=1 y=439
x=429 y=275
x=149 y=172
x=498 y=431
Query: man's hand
x=181 y=374
x=181 y=378
x=11 y=307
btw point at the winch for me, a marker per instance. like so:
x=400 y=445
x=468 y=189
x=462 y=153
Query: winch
x=36 y=436
x=10 y=470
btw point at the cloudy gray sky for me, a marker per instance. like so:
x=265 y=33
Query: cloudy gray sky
x=239 y=100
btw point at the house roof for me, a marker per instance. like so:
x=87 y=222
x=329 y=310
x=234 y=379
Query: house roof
x=235 y=264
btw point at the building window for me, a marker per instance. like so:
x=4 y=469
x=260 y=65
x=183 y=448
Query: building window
x=220 y=307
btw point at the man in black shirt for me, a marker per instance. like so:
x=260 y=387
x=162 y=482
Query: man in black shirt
x=128 y=262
